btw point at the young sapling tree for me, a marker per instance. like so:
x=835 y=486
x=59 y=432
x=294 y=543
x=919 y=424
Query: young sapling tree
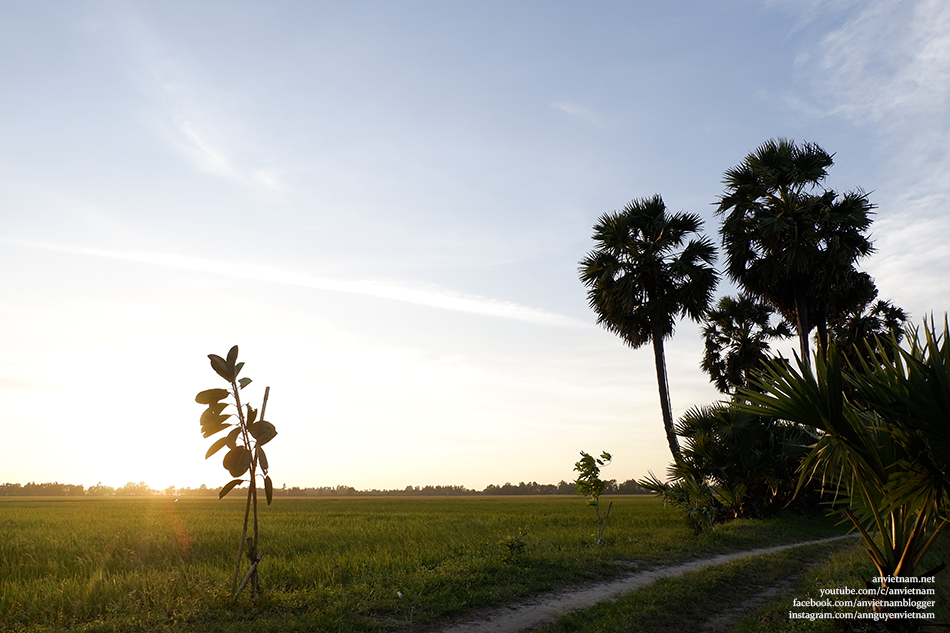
x=244 y=456
x=592 y=486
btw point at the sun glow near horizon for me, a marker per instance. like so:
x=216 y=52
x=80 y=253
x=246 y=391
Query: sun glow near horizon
x=131 y=407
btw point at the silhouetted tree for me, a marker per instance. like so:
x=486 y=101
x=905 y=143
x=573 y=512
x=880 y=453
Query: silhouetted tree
x=737 y=335
x=854 y=331
x=647 y=271
x=791 y=242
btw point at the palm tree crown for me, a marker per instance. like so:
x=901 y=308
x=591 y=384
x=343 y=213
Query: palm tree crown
x=855 y=332
x=644 y=274
x=792 y=242
x=737 y=335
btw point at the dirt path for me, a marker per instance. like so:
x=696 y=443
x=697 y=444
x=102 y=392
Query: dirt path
x=541 y=609
x=727 y=619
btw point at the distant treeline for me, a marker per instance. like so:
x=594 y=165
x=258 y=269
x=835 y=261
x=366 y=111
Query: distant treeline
x=140 y=489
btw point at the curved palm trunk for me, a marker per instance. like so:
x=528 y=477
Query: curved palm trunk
x=660 y=358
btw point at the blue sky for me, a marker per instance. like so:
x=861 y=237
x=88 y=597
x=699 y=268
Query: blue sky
x=384 y=205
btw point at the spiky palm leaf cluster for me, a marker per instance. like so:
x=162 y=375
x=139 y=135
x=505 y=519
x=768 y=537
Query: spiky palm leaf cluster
x=737 y=334
x=885 y=448
x=648 y=270
x=792 y=242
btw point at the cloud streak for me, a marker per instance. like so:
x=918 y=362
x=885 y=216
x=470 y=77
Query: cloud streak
x=887 y=70
x=871 y=82
x=419 y=294
x=579 y=111
x=205 y=157
x=188 y=110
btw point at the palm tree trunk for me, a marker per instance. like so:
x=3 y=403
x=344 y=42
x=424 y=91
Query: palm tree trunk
x=660 y=358
x=804 y=327
x=821 y=327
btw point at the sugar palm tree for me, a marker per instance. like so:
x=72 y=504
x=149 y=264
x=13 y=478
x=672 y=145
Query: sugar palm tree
x=791 y=242
x=648 y=269
x=737 y=334
x=862 y=324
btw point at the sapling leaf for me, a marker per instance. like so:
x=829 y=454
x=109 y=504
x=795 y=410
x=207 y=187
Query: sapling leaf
x=268 y=490
x=262 y=431
x=209 y=416
x=237 y=461
x=211 y=429
x=232 y=356
x=217 y=446
x=244 y=382
x=251 y=416
x=218 y=407
x=220 y=367
x=262 y=460
x=211 y=396
x=229 y=487
x=233 y=436
x=237 y=370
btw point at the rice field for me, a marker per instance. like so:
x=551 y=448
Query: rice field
x=349 y=564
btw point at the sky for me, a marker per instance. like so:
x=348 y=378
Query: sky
x=384 y=205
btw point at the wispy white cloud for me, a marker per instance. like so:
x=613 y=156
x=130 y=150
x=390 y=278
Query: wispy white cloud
x=886 y=70
x=888 y=67
x=202 y=154
x=579 y=111
x=808 y=11
x=911 y=262
x=891 y=61
x=188 y=110
x=419 y=294
x=268 y=178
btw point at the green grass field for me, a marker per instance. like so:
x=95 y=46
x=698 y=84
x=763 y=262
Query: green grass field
x=357 y=564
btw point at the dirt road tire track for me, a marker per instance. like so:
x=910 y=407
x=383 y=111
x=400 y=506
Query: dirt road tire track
x=534 y=611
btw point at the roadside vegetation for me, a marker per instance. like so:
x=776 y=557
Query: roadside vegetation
x=333 y=564
x=751 y=595
x=843 y=568
x=692 y=601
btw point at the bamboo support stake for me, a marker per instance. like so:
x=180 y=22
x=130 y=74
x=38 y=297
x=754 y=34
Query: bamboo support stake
x=249 y=572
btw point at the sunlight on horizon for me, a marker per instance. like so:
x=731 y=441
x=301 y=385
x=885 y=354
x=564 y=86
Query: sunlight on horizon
x=328 y=387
